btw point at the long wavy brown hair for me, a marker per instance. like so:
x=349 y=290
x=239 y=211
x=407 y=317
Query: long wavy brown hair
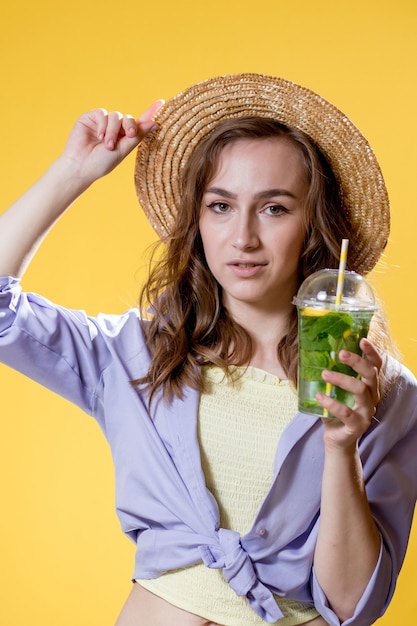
x=189 y=327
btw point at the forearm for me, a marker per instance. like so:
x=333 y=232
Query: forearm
x=24 y=225
x=348 y=542
x=98 y=142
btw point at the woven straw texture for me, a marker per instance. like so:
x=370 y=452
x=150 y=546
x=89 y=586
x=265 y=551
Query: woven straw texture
x=188 y=117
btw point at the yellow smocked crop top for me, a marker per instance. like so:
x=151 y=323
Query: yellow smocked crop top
x=237 y=454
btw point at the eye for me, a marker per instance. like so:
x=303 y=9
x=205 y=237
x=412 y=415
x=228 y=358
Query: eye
x=219 y=207
x=275 y=209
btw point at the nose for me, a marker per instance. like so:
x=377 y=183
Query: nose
x=246 y=236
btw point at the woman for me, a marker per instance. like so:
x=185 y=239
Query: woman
x=251 y=182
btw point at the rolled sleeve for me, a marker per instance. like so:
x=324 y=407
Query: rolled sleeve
x=374 y=600
x=9 y=293
x=59 y=348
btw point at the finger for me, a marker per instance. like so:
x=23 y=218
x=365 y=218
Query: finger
x=145 y=121
x=129 y=126
x=334 y=408
x=371 y=353
x=147 y=116
x=129 y=135
x=367 y=368
x=370 y=375
x=114 y=124
x=101 y=118
x=363 y=366
x=356 y=420
x=351 y=384
x=365 y=389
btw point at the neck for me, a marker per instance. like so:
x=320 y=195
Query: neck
x=266 y=330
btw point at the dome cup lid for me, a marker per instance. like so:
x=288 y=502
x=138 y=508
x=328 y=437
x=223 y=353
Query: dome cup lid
x=319 y=291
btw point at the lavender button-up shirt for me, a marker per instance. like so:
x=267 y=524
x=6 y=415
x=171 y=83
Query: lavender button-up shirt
x=161 y=498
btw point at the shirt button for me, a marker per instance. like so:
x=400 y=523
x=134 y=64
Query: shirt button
x=261 y=531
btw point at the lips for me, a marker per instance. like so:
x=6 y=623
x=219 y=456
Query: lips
x=246 y=264
x=246 y=268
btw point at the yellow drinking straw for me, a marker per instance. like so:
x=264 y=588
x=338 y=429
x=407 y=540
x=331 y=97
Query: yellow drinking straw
x=339 y=294
x=341 y=273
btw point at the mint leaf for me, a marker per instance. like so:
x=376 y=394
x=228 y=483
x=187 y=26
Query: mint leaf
x=313 y=362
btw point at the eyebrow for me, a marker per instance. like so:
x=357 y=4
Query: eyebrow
x=267 y=193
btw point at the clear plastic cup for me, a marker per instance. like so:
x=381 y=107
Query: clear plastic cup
x=325 y=328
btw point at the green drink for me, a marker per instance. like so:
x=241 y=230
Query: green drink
x=326 y=328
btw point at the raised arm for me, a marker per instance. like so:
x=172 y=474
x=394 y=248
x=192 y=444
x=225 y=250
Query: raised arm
x=98 y=142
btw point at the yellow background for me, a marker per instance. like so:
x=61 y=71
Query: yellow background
x=63 y=557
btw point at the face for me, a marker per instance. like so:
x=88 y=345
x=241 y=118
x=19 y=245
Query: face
x=252 y=223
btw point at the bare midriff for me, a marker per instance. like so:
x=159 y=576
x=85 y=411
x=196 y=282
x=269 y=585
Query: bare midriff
x=143 y=608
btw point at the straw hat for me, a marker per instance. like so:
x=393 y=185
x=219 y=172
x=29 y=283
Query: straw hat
x=188 y=117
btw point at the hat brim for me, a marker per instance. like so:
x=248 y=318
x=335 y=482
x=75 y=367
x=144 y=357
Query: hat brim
x=188 y=117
